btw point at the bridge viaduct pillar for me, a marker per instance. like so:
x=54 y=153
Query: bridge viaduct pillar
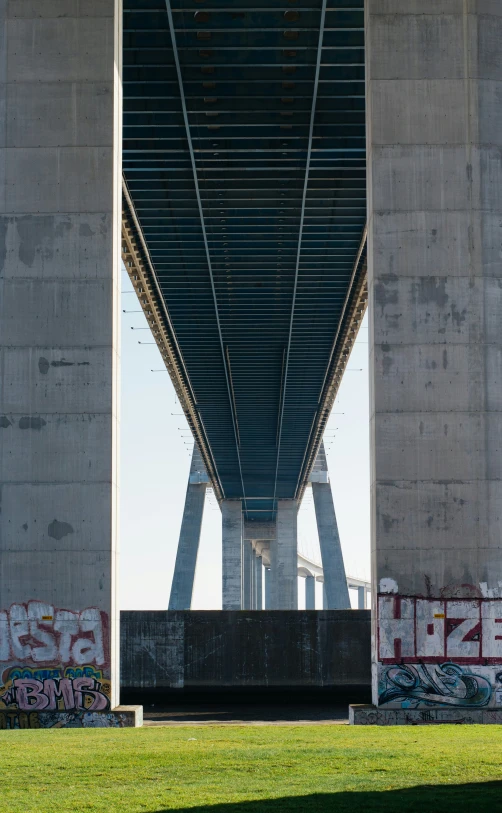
x=60 y=219
x=435 y=281
x=284 y=558
x=189 y=540
x=232 y=554
x=258 y=581
x=335 y=580
x=310 y=592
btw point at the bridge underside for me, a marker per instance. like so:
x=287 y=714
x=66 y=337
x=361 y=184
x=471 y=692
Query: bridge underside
x=244 y=162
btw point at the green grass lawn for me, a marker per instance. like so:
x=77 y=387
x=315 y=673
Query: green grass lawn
x=269 y=769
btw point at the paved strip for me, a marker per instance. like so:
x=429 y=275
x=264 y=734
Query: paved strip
x=247 y=715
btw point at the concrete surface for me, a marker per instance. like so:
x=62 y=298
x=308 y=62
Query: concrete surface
x=247 y=575
x=60 y=217
x=310 y=592
x=231 y=517
x=284 y=558
x=335 y=580
x=256 y=714
x=258 y=654
x=189 y=539
x=378 y=715
x=258 y=582
x=434 y=87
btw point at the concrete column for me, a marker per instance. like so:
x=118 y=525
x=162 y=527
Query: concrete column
x=253 y=579
x=310 y=593
x=188 y=543
x=60 y=221
x=435 y=292
x=231 y=512
x=331 y=551
x=324 y=597
x=268 y=587
x=361 y=598
x=258 y=583
x=284 y=558
x=329 y=539
x=247 y=575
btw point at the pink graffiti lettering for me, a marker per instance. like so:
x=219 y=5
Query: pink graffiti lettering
x=29 y=694
x=55 y=689
x=87 y=686
x=81 y=694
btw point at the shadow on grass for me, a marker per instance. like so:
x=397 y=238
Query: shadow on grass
x=431 y=798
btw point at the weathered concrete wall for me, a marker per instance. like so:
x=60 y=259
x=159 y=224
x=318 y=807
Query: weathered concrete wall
x=60 y=214
x=434 y=72
x=213 y=650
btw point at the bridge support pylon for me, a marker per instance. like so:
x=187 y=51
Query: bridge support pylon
x=247 y=574
x=232 y=550
x=284 y=558
x=310 y=592
x=335 y=580
x=435 y=293
x=60 y=349
x=258 y=582
x=189 y=539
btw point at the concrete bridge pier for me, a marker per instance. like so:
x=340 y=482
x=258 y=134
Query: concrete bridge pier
x=232 y=551
x=268 y=588
x=189 y=539
x=434 y=85
x=335 y=580
x=60 y=221
x=284 y=558
x=258 y=580
x=247 y=574
x=310 y=592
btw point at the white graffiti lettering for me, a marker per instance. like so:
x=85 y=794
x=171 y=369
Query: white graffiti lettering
x=415 y=629
x=38 y=633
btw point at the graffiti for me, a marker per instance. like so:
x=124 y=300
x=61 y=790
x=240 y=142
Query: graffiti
x=413 y=629
x=427 y=718
x=52 y=689
x=54 y=661
x=28 y=690
x=439 y=652
x=15 y=720
x=447 y=684
x=38 y=633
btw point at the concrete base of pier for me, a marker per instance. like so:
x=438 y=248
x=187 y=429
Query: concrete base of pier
x=435 y=715
x=119 y=717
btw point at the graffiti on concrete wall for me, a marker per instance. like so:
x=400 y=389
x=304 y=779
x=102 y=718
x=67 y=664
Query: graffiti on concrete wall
x=411 y=629
x=19 y=719
x=444 y=652
x=53 y=660
x=446 y=684
x=36 y=632
x=26 y=691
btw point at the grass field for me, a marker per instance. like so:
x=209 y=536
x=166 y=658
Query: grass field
x=270 y=769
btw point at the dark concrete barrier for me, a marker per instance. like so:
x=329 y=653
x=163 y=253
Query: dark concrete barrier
x=196 y=653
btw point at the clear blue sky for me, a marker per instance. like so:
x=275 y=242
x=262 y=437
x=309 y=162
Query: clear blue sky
x=155 y=458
